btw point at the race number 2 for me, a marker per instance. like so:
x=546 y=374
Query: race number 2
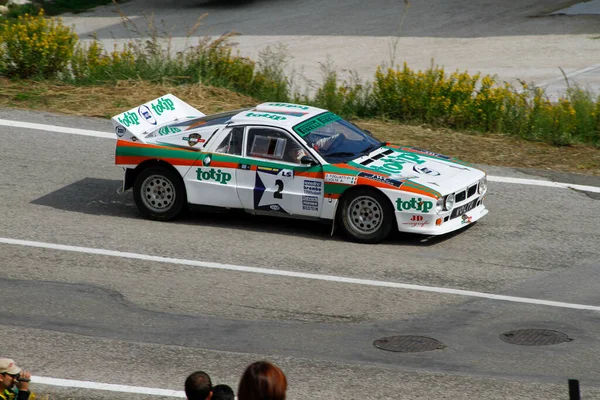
x=277 y=194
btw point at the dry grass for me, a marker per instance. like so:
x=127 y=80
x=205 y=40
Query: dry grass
x=109 y=100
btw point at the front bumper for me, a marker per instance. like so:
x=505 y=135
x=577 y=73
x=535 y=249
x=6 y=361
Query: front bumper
x=439 y=224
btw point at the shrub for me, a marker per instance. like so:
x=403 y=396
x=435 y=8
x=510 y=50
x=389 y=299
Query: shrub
x=34 y=46
x=472 y=102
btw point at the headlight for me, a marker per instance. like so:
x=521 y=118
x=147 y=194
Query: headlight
x=439 y=205
x=449 y=202
x=482 y=185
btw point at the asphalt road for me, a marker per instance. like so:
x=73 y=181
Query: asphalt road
x=515 y=40
x=133 y=322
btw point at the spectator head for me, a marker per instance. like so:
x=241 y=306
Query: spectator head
x=262 y=381
x=9 y=373
x=222 y=392
x=198 y=386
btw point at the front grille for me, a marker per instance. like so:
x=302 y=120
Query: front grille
x=460 y=196
x=472 y=191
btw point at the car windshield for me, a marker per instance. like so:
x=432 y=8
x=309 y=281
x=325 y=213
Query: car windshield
x=335 y=139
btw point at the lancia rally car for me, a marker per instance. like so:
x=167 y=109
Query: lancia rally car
x=295 y=161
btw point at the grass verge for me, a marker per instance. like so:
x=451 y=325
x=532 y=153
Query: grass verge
x=104 y=101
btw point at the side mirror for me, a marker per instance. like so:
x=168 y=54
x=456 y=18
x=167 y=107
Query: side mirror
x=307 y=160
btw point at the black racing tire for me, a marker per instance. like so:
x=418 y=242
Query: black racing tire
x=366 y=215
x=159 y=193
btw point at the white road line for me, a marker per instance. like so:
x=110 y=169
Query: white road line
x=561 y=78
x=59 y=129
x=537 y=182
x=292 y=274
x=70 y=383
x=106 y=135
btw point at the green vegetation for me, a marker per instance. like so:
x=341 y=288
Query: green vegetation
x=41 y=48
x=53 y=7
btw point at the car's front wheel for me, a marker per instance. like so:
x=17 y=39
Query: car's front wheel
x=366 y=216
x=159 y=193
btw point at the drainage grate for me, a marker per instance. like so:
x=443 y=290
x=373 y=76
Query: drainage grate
x=408 y=344
x=535 y=337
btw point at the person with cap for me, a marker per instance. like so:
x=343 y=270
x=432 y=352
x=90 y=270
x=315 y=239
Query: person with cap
x=14 y=381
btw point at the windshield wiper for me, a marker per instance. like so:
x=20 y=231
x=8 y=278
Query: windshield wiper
x=371 y=148
x=340 y=154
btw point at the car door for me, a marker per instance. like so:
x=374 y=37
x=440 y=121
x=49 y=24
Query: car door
x=212 y=180
x=271 y=179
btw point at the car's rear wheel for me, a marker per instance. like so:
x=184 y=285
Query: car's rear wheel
x=366 y=216
x=159 y=193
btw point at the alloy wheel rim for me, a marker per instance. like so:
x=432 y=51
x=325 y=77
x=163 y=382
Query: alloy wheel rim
x=158 y=193
x=365 y=215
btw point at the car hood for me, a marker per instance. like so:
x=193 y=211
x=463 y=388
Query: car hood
x=442 y=173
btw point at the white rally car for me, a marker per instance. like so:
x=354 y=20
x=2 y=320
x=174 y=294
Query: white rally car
x=295 y=161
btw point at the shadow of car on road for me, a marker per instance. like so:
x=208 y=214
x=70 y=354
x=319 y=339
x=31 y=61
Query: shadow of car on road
x=95 y=196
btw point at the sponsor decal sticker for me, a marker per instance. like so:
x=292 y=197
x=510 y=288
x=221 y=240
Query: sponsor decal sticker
x=313 y=187
x=465 y=219
x=274 y=117
x=460 y=210
x=394 y=163
x=425 y=170
x=430 y=153
x=246 y=167
x=213 y=175
x=163 y=104
x=382 y=179
x=310 y=203
x=120 y=130
x=128 y=119
x=287 y=173
x=414 y=204
x=146 y=114
x=344 y=179
x=306 y=127
x=274 y=207
x=417 y=221
x=290 y=113
x=193 y=139
x=288 y=105
x=168 y=130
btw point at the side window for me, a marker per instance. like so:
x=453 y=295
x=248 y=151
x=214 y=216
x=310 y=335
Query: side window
x=273 y=144
x=232 y=144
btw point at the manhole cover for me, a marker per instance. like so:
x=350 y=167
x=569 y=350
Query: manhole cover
x=408 y=344
x=535 y=337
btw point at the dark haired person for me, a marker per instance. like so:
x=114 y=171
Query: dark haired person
x=222 y=392
x=262 y=381
x=14 y=382
x=198 y=386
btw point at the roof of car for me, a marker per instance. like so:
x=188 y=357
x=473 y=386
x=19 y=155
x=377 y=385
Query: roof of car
x=285 y=115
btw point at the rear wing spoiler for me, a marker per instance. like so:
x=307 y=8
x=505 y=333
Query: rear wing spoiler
x=138 y=122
